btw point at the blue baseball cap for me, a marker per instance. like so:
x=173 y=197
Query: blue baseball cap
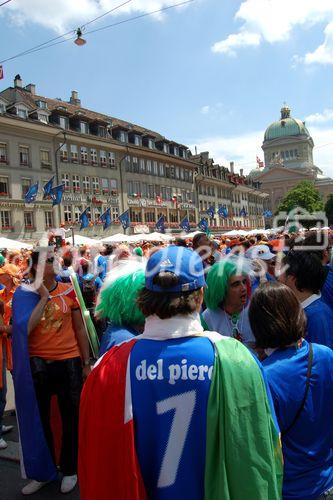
x=181 y=261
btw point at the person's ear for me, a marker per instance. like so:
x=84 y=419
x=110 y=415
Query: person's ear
x=199 y=298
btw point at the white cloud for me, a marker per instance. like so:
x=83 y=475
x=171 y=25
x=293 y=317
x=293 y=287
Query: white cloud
x=243 y=149
x=325 y=116
x=235 y=41
x=205 y=110
x=324 y=53
x=62 y=15
x=273 y=21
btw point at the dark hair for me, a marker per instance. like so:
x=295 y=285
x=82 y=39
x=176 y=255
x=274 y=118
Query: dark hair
x=245 y=244
x=68 y=259
x=307 y=268
x=311 y=240
x=108 y=250
x=82 y=250
x=166 y=304
x=276 y=316
x=196 y=240
x=179 y=242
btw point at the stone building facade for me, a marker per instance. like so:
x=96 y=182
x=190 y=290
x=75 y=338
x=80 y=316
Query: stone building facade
x=106 y=162
x=288 y=150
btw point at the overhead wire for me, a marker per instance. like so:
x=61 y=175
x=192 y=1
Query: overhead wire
x=4 y=3
x=72 y=31
x=48 y=44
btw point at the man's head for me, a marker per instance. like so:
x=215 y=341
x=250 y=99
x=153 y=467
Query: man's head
x=318 y=243
x=174 y=283
x=227 y=286
x=44 y=264
x=202 y=245
x=303 y=272
x=2 y=260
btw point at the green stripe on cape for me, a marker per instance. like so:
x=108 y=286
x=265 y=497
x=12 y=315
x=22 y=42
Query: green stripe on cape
x=243 y=451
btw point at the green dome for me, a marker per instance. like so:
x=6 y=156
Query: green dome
x=285 y=127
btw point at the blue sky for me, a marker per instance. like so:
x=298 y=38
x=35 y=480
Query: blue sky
x=213 y=73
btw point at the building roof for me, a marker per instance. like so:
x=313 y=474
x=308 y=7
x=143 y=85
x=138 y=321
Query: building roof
x=286 y=126
x=22 y=95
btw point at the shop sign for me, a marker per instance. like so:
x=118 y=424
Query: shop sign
x=77 y=198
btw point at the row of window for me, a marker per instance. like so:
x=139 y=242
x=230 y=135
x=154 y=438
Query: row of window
x=87 y=156
x=149 y=167
x=25 y=156
x=144 y=190
x=286 y=155
x=174 y=216
x=29 y=220
x=205 y=205
x=87 y=184
x=72 y=213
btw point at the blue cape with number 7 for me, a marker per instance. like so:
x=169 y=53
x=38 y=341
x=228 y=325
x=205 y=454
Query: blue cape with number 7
x=187 y=417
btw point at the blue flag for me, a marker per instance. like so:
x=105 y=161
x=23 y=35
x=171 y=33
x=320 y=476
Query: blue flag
x=106 y=218
x=243 y=212
x=84 y=219
x=31 y=194
x=203 y=225
x=160 y=224
x=47 y=188
x=267 y=214
x=125 y=220
x=223 y=211
x=36 y=459
x=185 y=224
x=211 y=212
x=56 y=194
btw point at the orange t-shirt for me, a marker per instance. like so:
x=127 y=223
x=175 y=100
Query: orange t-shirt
x=54 y=337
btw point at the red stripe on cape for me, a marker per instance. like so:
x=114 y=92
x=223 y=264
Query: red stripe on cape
x=108 y=465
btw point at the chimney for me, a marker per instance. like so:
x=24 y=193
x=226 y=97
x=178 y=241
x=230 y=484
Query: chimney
x=232 y=167
x=241 y=171
x=31 y=88
x=75 y=98
x=18 y=81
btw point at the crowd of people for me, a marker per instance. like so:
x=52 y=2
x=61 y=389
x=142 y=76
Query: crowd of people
x=214 y=377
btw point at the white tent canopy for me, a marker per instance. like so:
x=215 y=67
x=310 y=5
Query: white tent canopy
x=83 y=240
x=150 y=237
x=189 y=236
x=14 y=244
x=258 y=231
x=236 y=232
x=116 y=238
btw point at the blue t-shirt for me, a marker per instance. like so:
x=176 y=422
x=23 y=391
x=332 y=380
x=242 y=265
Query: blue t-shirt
x=319 y=323
x=101 y=267
x=115 y=335
x=170 y=382
x=327 y=290
x=308 y=446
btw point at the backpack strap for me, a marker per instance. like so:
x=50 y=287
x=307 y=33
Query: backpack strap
x=307 y=387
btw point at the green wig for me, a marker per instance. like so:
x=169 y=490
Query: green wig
x=217 y=280
x=117 y=300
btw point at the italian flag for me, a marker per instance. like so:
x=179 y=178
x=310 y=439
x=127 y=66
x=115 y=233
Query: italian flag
x=243 y=451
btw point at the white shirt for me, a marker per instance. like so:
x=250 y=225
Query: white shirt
x=219 y=321
x=310 y=299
